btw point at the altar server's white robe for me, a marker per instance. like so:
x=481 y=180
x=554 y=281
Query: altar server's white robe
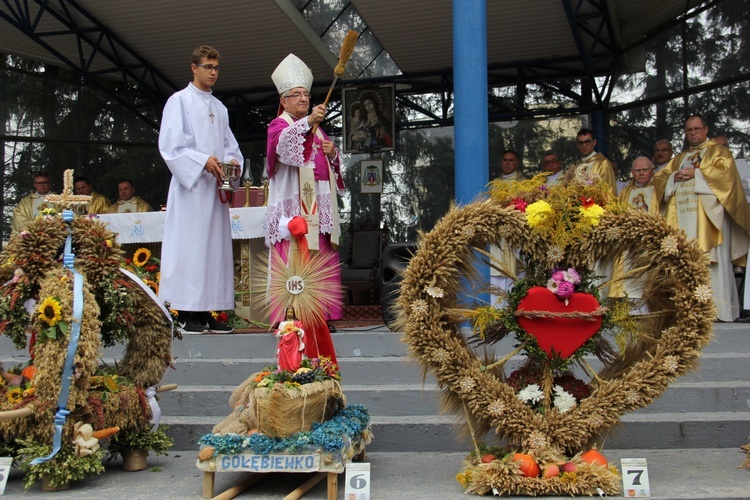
x=197 y=271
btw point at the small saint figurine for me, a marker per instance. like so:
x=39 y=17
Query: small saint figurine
x=291 y=342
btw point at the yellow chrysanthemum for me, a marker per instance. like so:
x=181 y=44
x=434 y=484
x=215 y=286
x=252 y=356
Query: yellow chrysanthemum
x=14 y=395
x=2 y=381
x=50 y=311
x=174 y=312
x=141 y=256
x=214 y=314
x=158 y=277
x=569 y=477
x=537 y=212
x=464 y=478
x=591 y=215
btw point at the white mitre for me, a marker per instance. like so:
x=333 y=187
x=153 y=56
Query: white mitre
x=292 y=73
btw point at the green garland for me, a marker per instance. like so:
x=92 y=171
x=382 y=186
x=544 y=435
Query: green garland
x=62 y=469
x=158 y=442
x=15 y=317
x=117 y=321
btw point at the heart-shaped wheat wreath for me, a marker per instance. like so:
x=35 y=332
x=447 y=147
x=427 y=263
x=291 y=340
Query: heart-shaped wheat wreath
x=574 y=228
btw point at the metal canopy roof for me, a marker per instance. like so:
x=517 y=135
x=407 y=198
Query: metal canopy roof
x=148 y=43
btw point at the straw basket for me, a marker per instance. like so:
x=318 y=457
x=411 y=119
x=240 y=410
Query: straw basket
x=47 y=485
x=134 y=459
x=281 y=411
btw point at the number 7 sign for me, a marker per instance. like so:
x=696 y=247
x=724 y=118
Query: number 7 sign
x=635 y=478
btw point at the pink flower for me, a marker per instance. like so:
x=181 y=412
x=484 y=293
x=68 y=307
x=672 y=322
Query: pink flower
x=573 y=276
x=565 y=290
x=558 y=276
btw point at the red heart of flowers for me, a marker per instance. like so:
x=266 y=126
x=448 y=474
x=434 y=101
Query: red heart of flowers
x=559 y=336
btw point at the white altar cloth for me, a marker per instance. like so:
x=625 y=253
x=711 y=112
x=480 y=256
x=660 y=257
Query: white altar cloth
x=148 y=227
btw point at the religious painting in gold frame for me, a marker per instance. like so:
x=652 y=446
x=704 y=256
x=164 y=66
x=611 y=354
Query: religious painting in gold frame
x=369 y=118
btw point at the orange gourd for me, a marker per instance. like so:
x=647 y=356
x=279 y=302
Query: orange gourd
x=528 y=466
x=594 y=457
x=29 y=372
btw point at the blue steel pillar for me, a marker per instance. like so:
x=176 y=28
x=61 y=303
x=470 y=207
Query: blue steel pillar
x=470 y=98
x=470 y=108
x=600 y=128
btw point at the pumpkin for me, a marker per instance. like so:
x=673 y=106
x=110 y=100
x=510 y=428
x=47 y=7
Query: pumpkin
x=593 y=457
x=29 y=372
x=528 y=466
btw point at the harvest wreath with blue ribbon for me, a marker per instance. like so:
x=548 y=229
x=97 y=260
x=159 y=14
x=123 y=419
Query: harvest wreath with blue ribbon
x=55 y=411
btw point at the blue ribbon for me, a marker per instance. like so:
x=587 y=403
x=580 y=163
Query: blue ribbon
x=75 y=333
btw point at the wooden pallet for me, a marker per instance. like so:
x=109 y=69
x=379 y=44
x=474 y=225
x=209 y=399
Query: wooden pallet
x=209 y=480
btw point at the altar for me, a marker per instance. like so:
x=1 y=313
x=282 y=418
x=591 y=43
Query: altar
x=248 y=226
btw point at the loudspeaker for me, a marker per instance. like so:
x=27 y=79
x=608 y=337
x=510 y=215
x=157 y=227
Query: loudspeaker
x=393 y=261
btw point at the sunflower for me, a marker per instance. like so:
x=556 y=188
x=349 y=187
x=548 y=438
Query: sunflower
x=50 y=311
x=141 y=256
x=96 y=382
x=110 y=382
x=152 y=285
x=14 y=395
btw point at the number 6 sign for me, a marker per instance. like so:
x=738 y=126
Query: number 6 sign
x=357 y=481
x=5 y=463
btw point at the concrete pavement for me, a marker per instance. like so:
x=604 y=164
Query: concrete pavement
x=674 y=474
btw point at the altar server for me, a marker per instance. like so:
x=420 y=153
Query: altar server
x=197 y=273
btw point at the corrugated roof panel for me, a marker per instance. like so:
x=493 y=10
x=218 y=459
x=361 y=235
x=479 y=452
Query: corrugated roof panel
x=253 y=37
